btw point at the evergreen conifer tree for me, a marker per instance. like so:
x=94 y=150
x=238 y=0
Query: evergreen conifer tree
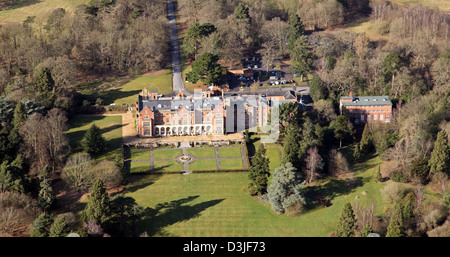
x=93 y=141
x=58 y=227
x=296 y=29
x=98 y=207
x=40 y=225
x=347 y=222
x=44 y=81
x=46 y=195
x=366 y=141
x=286 y=188
x=356 y=154
x=341 y=128
x=440 y=157
x=302 y=57
x=259 y=172
x=395 y=228
x=292 y=146
x=378 y=177
x=20 y=115
x=241 y=12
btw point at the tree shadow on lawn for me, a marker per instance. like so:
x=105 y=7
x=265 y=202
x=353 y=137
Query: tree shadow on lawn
x=324 y=193
x=21 y=3
x=165 y=214
x=364 y=163
x=75 y=137
x=141 y=181
x=251 y=147
x=110 y=96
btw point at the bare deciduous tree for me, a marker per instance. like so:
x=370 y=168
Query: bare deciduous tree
x=314 y=164
x=337 y=164
x=77 y=171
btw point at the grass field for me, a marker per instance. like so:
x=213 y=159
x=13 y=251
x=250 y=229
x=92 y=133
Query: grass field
x=229 y=152
x=166 y=154
x=139 y=166
x=165 y=159
x=39 y=8
x=367 y=26
x=111 y=127
x=126 y=90
x=443 y=5
x=216 y=204
x=274 y=157
x=231 y=164
x=168 y=166
x=202 y=152
x=209 y=164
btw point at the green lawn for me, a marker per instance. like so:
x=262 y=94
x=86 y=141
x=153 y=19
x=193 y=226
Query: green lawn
x=139 y=166
x=140 y=155
x=229 y=152
x=231 y=164
x=274 y=156
x=168 y=166
x=39 y=8
x=209 y=164
x=443 y=5
x=161 y=154
x=111 y=127
x=203 y=152
x=162 y=81
x=216 y=204
x=126 y=90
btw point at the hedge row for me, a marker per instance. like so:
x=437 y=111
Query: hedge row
x=181 y=172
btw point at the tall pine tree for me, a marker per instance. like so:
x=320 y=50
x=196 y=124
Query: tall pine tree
x=291 y=147
x=93 y=141
x=46 y=195
x=395 y=228
x=98 y=207
x=296 y=29
x=58 y=227
x=20 y=115
x=259 y=172
x=301 y=57
x=347 y=222
x=366 y=144
x=440 y=157
x=44 y=81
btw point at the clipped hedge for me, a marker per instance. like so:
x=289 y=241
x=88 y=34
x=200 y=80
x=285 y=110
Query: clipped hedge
x=181 y=172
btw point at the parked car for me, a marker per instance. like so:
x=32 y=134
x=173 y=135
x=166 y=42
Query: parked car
x=273 y=78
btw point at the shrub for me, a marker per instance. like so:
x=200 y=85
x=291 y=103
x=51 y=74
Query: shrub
x=294 y=210
x=398 y=176
x=392 y=192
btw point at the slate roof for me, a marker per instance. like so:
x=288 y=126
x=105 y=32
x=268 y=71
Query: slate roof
x=366 y=100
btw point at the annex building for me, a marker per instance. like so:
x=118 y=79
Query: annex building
x=207 y=112
x=367 y=108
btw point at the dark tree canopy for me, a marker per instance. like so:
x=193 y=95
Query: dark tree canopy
x=44 y=81
x=347 y=222
x=93 y=141
x=206 y=69
x=259 y=172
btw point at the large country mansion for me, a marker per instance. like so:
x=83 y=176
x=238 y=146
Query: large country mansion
x=207 y=112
